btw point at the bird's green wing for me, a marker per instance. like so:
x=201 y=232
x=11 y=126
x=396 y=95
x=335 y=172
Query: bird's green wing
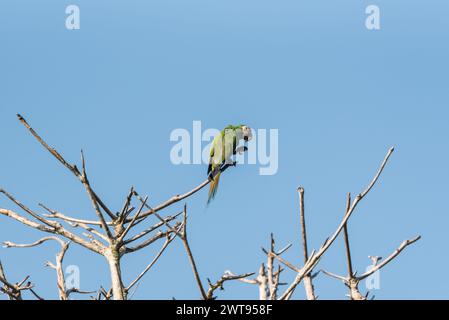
x=223 y=147
x=215 y=152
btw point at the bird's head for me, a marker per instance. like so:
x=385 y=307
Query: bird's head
x=247 y=133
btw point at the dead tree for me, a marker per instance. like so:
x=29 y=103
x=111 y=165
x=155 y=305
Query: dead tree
x=109 y=235
x=268 y=279
x=112 y=236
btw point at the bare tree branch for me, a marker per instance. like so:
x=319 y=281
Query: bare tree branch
x=57 y=229
x=276 y=283
x=131 y=224
x=270 y=266
x=244 y=280
x=283 y=261
x=174 y=199
x=94 y=200
x=308 y=285
x=124 y=211
x=149 y=241
x=27 y=210
x=333 y=275
x=185 y=241
x=178 y=197
x=73 y=224
x=55 y=214
x=352 y=281
x=25 y=221
x=152 y=228
x=346 y=240
x=75 y=290
x=71 y=168
x=219 y=284
x=403 y=245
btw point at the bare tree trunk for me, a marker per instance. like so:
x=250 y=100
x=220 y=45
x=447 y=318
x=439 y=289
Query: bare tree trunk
x=118 y=290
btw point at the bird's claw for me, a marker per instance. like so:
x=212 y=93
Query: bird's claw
x=241 y=149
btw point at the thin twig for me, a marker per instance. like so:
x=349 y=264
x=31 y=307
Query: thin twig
x=346 y=240
x=156 y=258
x=185 y=242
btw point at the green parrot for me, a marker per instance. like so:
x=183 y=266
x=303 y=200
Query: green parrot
x=223 y=147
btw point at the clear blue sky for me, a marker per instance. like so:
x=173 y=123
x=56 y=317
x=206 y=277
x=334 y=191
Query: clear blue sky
x=339 y=94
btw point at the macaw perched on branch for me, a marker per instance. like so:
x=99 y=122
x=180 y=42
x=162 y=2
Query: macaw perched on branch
x=223 y=147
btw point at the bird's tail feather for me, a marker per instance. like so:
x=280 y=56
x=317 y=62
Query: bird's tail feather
x=213 y=187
